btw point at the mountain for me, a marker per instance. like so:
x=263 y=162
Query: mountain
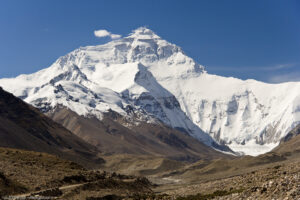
x=111 y=137
x=25 y=127
x=290 y=144
x=146 y=79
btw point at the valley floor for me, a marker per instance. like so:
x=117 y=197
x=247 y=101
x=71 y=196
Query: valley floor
x=278 y=181
x=26 y=175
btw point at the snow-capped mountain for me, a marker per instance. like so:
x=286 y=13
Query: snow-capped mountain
x=146 y=76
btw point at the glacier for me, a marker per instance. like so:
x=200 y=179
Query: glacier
x=154 y=79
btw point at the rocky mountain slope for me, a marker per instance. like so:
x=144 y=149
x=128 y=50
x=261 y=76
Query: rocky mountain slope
x=147 y=79
x=274 y=175
x=290 y=144
x=111 y=136
x=25 y=127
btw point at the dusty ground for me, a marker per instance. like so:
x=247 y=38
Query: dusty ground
x=35 y=170
x=281 y=181
x=271 y=176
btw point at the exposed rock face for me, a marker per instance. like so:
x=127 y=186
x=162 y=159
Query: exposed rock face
x=290 y=144
x=292 y=134
x=114 y=134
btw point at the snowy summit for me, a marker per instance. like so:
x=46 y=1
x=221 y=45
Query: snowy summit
x=157 y=80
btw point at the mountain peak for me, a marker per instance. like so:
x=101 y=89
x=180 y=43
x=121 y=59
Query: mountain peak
x=143 y=33
x=91 y=80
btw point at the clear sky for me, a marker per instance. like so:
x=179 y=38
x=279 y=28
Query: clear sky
x=257 y=39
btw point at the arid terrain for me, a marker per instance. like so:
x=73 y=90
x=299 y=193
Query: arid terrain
x=25 y=173
x=52 y=162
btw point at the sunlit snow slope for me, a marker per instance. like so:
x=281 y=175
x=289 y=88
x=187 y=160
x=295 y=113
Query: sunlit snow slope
x=145 y=74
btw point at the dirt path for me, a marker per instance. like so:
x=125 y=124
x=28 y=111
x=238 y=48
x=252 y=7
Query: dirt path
x=32 y=194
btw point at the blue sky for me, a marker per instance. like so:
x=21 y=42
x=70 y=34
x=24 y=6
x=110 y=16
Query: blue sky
x=257 y=39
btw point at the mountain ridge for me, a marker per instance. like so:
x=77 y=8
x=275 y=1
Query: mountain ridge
x=25 y=127
x=180 y=93
x=112 y=137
